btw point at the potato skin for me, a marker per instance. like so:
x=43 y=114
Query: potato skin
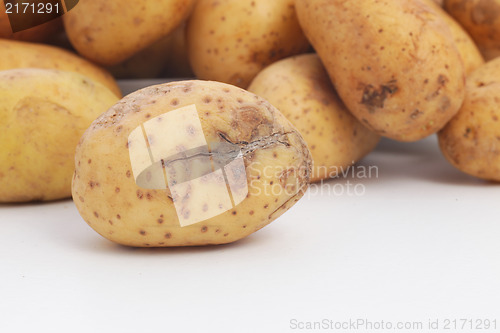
x=300 y=88
x=15 y=54
x=471 y=140
x=109 y=32
x=469 y=52
x=232 y=40
x=481 y=19
x=42 y=115
x=109 y=200
x=398 y=73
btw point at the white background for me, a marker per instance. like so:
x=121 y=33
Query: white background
x=423 y=242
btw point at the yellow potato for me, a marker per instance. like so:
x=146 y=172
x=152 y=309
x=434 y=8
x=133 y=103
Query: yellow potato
x=471 y=56
x=300 y=88
x=394 y=63
x=232 y=41
x=43 y=113
x=14 y=54
x=109 y=32
x=471 y=140
x=481 y=19
x=188 y=163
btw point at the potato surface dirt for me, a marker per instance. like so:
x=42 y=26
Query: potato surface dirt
x=188 y=163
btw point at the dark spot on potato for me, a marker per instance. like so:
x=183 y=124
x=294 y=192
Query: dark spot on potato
x=226 y=234
x=110 y=222
x=160 y=221
x=251 y=212
x=233 y=212
x=139 y=194
x=89 y=161
x=149 y=196
x=142 y=232
x=168 y=235
x=207 y=99
x=415 y=114
x=266 y=206
x=174 y=102
x=375 y=98
x=128 y=174
x=204 y=228
x=147 y=116
x=81 y=198
x=96 y=214
x=118 y=216
x=244 y=226
x=117 y=190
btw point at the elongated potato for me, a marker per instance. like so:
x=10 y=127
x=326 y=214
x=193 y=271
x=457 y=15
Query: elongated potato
x=109 y=32
x=188 y=163
x=469 y=52
x=43 y=113
x=233 y=40
x=481 y=19
x=393 y=63
x=471 y=140
x=300 y=88
x=14 y=54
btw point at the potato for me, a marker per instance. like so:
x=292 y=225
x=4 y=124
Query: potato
x=233 y=40
x=471 y=140
x=470 y=54
x=38 y=33
x=14 y=54
x=300 y=88
x=42 y=115
x=393 y=63
x=219 y=163
x=109 y=32
x=481 y=19
x=164 y=58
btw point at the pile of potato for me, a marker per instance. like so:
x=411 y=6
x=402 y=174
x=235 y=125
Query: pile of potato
x=303 y=86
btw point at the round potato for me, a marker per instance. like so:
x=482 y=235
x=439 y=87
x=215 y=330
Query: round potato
x=109 y=32
x=42 y=115
x=300 y=88
x=232 y=40
x=471 y=140
x=394 y=63
x=481 y=19
x=469 y=52
x=14 y=54
x=188 y=163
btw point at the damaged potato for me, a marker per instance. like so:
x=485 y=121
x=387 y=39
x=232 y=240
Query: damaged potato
x=232 y=40
x=43 y=113
x=16 y=54
x=300 y=88
x=188 y=163
x=471 y=140
x=399 y=74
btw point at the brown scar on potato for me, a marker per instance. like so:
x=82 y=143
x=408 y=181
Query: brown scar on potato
x=375 y=98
